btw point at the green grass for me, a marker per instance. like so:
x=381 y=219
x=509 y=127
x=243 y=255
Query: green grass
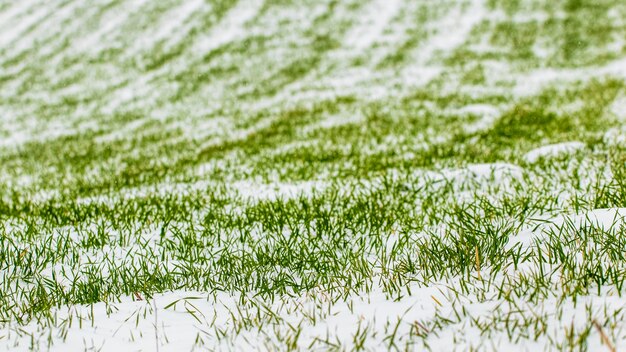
x=247 y=170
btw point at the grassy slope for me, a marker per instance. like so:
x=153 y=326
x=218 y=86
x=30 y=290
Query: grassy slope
x=279 y=149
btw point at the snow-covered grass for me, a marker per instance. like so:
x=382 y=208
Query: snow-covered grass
x=299 y=175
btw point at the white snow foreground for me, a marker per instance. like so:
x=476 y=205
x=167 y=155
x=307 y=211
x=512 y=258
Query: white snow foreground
x=188 y=321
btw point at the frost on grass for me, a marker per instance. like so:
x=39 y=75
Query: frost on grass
x=298 y=175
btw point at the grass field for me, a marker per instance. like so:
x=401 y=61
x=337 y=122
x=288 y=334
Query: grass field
x=313 y=175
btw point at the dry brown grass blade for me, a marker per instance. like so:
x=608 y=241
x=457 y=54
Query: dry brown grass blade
x=605 y=339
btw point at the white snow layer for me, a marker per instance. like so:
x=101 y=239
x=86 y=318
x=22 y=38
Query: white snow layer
x=553 y=150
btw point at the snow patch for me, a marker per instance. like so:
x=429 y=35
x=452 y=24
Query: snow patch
x=451 y=32
x=97 y=40
x=611 y=219
x=484 y=172
x=274 y=191
x=615 y=137
x=473 y=177
x=488 y=114
x=379 y=14
x=171 y=27
x=230 y=28
x=553 y=150
x=618 y=108
x=15 y=31
x=454 y=29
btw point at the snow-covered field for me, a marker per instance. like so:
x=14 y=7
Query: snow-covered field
x=312 y=175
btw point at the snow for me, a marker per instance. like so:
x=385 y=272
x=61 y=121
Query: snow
x=488 y=114
x=15 y=11
x=451 y=32
x=131 y=324
x=615 y=137
x=481 y=175
x=277 y=190
x=553 y=150
x=531 y=83
x=249 y=190
x=182 y=320
x=189 y=316
x=618 y=108
x=603 y=219
x=230 y=28
x=612 y=219
x=379 y=14
x=96 y=40
x=43 y=29
x=173 y=26
x=11 y=30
